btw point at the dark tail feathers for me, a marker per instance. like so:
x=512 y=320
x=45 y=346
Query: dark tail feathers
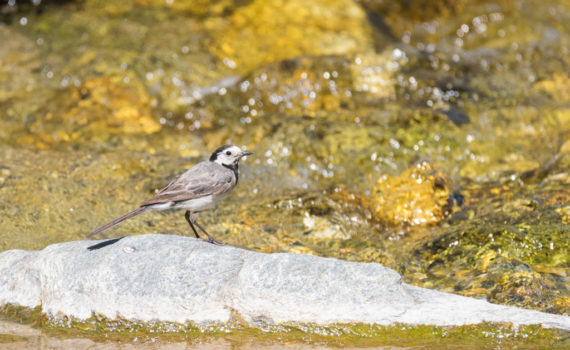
x=117 y=221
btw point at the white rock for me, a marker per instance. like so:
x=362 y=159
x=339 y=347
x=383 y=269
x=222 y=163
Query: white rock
x=179 y=279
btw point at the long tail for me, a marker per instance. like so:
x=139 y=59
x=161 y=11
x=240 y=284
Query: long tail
x=117 y=221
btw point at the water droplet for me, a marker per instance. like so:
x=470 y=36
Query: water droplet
x=229 y=63
x=374 y=156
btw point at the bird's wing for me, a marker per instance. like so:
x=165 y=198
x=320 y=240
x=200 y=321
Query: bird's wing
x=204 y=179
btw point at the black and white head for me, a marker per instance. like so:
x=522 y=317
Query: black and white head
x=228 y=155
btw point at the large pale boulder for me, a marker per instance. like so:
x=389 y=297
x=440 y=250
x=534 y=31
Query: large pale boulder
x=180 y=279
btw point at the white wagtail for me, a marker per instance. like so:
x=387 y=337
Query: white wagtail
x=199 y=188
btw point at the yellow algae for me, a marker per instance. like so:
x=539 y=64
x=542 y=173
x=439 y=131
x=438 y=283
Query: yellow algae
x=557 y=86
x=562 y=116
x=96 y=110
x=418 y=196
x=267 y=31
x=564 y=213
x=301 y=250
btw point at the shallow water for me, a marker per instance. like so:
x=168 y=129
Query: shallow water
x=19 y=337
x=433 y=138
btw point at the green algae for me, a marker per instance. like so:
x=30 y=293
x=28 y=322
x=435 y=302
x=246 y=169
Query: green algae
x=8 y=338
x=63 y=176
x=511 y=249
x=22 y=315
x=98 y=328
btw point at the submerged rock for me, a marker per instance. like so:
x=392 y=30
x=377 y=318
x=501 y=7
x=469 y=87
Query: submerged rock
x=420 y=195
x=510 y=247
x=268 y=31
x=179 y=279
x=93 y=112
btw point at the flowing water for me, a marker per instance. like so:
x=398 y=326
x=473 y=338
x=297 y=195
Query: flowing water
x=432 y=137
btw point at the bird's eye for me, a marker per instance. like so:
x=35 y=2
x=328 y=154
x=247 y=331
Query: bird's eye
x=228 y=153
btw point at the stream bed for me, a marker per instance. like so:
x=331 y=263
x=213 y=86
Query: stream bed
x=432 y=137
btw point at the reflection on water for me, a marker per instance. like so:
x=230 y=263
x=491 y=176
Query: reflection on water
x=18 y=337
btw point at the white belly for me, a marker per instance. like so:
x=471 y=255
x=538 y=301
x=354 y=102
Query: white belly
x=195 y=205
x=198 y=204
x=201 y=204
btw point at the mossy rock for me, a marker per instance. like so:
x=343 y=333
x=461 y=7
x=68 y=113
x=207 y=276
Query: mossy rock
x=513 y=250
x=419 y=196
x=269 y=31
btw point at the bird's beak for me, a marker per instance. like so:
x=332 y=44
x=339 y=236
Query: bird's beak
x=245 y=153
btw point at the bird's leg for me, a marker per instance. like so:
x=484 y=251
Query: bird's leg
x=187 y=216
x=210 y=238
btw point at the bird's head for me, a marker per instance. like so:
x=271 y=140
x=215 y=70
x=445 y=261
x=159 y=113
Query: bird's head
x=228 y=155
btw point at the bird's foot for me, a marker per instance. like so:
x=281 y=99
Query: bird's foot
x=214 y=241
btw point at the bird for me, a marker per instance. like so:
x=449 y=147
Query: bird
x=198 y=189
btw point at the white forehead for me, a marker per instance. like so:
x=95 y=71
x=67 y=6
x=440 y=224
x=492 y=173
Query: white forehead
x=228 y=155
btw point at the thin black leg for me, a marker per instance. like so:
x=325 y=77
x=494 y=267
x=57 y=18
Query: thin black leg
x=210 y=238
x=187 y=216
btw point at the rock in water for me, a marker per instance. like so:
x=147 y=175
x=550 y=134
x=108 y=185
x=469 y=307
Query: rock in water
x=179 y=279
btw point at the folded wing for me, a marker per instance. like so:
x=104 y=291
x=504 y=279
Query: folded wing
x=204 y=179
